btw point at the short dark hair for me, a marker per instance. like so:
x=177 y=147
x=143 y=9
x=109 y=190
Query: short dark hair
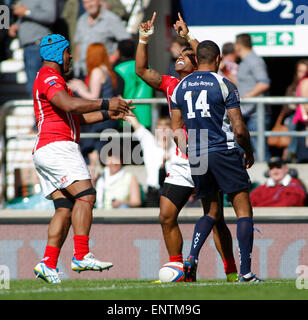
x=207 y=52
x=127 y=48
x=188 y=48
x=244 y=39
x=227 y=48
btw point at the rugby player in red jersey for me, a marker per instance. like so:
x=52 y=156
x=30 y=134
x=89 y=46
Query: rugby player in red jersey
x=178 y=185
x=62 y=171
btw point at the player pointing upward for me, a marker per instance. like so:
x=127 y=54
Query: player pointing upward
x=208 y=103
x=178 y=185
x=61 y=168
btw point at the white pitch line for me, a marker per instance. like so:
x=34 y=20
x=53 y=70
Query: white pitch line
x=59 y=289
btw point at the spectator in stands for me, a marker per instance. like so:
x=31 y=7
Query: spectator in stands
x=288 y=111
x=130 y=86
x=117 y=188
x=72 y=10
x=228 y=66
x=177 y=45
x=252 y=80
x=34 y=22
x=117 y=7
x=157 y=150
x=96 y=25
x=100 y=82
x=301 y=120
x=280 y=190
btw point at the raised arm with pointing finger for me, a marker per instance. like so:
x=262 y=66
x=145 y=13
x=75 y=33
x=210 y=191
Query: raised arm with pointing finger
x=184 y=65
x=182 y=30
x=149 y=75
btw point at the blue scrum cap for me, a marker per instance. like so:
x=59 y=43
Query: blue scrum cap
x=52 y=48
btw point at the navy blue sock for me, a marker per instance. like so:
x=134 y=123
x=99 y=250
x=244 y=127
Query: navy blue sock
x=202 y=229
x=244 y=234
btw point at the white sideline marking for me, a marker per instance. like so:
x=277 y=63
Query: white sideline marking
x=145 y=286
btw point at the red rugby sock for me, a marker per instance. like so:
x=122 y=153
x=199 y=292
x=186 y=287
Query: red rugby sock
x=51 y=257
x=178 y=258
x=81 y=243
x=230 y=266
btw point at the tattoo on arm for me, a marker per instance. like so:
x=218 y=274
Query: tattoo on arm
x=244 y=139
x=153 y=78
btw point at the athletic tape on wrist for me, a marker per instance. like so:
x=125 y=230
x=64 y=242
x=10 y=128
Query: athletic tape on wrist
x=146 y=33
x=189 y=37
x=142 y=41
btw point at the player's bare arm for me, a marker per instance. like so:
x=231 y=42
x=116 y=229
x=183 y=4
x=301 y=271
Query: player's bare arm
x=177 y=125
x=65 y=102
x=134 y=122
x=152 y=77
x=182 y=30
x=241 y=134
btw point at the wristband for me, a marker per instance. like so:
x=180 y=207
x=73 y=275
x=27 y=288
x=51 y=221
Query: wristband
x=105 y=115
x=189 y=37
x=142 y=41
x=105 y=104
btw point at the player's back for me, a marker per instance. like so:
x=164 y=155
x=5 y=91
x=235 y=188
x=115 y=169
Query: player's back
x=203 y=98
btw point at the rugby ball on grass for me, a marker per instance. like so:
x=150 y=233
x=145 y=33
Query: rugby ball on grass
x=171 y=272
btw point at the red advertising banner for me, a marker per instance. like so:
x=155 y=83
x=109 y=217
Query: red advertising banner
x=138 y=250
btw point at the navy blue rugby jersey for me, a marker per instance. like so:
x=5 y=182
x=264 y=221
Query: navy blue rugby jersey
x=204 y=98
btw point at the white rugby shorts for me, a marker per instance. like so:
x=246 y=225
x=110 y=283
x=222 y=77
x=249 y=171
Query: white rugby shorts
x=179 y=173
x=58 y=165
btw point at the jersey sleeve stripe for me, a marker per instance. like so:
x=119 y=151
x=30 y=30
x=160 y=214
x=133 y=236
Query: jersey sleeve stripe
x=41 y=118
x=223 y=86
x=226 y=127
x=72 y=126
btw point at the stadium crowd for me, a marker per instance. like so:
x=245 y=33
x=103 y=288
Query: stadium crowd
x=103 y=47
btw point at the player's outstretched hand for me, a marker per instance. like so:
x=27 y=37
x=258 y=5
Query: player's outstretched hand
x=249 y=160
x=146 y=29
x=181 y=27
x=115 y=115
x=119 y=105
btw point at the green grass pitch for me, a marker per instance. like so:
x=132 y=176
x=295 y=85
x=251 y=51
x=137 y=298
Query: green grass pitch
x=273 y=289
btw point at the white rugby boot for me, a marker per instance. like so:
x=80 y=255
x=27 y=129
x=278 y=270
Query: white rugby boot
x=89 y=263
x=47 y=274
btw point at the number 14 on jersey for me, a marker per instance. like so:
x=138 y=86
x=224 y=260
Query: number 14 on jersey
x=201 y=104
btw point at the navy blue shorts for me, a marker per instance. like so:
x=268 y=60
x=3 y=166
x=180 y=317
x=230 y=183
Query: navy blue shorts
x=226 y=172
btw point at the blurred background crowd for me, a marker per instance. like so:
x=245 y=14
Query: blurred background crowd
x=103 y=37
